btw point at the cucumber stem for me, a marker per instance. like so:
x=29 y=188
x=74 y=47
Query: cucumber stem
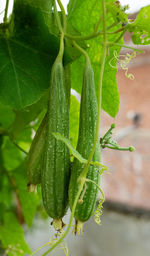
x=6 y=11
x=63 y=13
x=57 y=18
x=94 y=34
x=82 y=51
x=61 y=49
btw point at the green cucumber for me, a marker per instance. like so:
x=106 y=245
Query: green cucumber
x=87 y=129
x=55 y=170
x=34 y=159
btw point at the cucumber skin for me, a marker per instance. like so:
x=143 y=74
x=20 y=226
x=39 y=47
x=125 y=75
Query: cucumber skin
x=87 y=128
x=35 y=155
x=55 y=171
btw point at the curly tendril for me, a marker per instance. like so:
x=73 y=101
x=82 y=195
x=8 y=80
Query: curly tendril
x=53 y=239
x=123 y=62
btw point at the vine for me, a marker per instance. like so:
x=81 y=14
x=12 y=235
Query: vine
x=6 y=11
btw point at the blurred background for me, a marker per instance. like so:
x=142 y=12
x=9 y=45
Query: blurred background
x=125 y=227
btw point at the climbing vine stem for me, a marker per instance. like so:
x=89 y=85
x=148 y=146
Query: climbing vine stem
x=6 y=11
x=57 y=18
x=63 y=13
x=94 y=34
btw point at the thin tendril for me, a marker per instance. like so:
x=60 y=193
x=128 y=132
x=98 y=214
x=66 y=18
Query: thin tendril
x=124 y=62
x=98 y=212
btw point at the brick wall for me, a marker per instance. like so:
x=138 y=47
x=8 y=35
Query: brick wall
x=129 y=181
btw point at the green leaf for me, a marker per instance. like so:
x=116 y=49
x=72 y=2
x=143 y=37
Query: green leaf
x=75 y=153
x=141 y=38
x=142 y=21
x=29 y=114
x=12 y=156
x=2 y=213
x=74 y=120
x=7 y=116
x=23 y=75
x=5 y=191
x=140 y=28
x=27 y=55
x=12 y=236
x=28 y=201
x=45 y=7
x=117 y=13
x=89 y=13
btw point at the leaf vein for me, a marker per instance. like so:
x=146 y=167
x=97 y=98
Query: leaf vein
x=15 y=73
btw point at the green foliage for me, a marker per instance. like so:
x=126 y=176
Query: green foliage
x=27 y=115
x=5 y=195
x=28 y=52
x=26 y=58
x=117 y=13
x=12 y=236
x=11 y=155
x=6 y=116
x=29 y=202
x=140 y=28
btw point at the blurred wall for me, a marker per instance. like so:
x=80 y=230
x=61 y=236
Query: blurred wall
x=129 y=181
x=119 y=235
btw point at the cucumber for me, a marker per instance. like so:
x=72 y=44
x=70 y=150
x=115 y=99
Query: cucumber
x=34 y=159
x=55 y=169
x=87 y=129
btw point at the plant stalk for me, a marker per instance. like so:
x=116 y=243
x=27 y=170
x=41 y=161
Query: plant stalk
x=94 y=34
x=6 y=11
x=63 y=14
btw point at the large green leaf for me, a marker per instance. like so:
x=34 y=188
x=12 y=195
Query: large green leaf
x=7 y=116
x=24 y=69
x=89 y=12
x=27 y=54
x=29 y=114
x=12 y=236
x=45 y=7
x=140 y=28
